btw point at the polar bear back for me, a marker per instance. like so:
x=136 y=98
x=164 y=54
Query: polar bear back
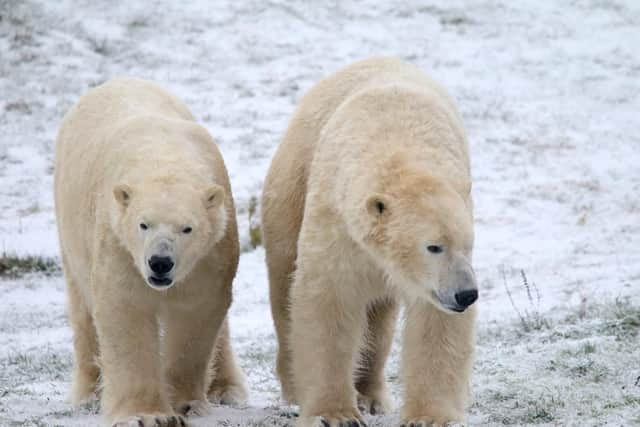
x=292 y=162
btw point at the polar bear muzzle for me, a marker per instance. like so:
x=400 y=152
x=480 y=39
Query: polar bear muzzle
x=459 y=290
x=160 y=266
x=160 y=262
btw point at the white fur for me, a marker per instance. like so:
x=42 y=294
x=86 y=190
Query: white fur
x=373 y=170
x=129 y=153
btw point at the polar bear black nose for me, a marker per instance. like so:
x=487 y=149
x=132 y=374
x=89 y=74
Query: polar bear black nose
x=160 y=264
x=466 y=298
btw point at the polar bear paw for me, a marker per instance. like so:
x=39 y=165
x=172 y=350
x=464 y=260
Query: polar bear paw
x=198 y=408
x=429 y=422
x=375 y=404
x=337 y=419
x=152 y=421
x=229 y=394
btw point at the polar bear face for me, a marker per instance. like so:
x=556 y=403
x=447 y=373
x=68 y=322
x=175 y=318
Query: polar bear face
x=168 y=228
x=421 y=233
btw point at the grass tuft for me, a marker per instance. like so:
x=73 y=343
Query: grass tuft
x=626 y=319
x=255 y=232
x=531 y=320
x=13 y=266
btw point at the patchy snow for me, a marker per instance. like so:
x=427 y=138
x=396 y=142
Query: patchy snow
x=550 y=95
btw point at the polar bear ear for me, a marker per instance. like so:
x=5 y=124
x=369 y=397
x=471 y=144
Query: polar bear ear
x=122 y=194
x=213 y=197
x=377 y=205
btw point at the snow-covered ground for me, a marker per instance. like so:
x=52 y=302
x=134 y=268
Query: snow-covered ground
x=550 y=95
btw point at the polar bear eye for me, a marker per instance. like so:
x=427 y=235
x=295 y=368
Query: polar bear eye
x=380 y=206
x=143 y=226
x=434 y=249
x=187 y=230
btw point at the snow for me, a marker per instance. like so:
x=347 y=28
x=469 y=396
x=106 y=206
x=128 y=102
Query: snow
x=549 y=93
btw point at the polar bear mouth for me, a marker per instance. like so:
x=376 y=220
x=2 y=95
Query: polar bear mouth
x=160 y=281
x=456 y=309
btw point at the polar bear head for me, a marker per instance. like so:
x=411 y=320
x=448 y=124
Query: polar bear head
x=420 y=231
x=168 y=226
x=409 y=204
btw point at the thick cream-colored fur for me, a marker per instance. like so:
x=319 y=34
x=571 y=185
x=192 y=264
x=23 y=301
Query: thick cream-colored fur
x=373 y=169
x=127 y=153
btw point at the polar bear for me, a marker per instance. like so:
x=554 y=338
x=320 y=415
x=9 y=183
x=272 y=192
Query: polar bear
x=149 y=246
x=367 y=205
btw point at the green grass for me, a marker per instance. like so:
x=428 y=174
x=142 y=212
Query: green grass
x=255 y=232
x=12 y=266
x=19 y=368
x=532 y=319
x=581 y=368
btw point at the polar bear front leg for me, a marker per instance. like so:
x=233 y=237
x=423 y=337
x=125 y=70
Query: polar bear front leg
x=85 y=344
x=437 y=361
x=189 y=341
x=373 y=396
x=326 y=332
x=134 y=392
x=228 y=385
